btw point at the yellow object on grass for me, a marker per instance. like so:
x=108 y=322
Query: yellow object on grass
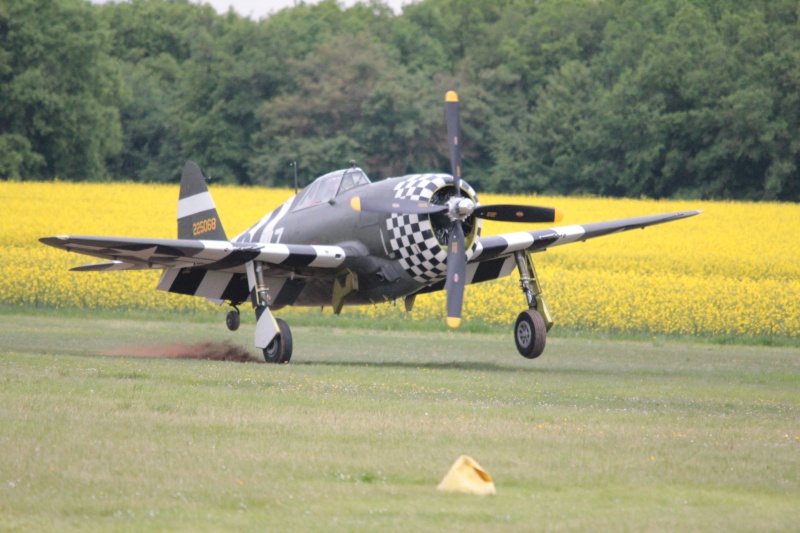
x=467 y=476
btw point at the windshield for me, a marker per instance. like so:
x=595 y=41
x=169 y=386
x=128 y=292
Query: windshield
x=326 y=187
x=352 y=178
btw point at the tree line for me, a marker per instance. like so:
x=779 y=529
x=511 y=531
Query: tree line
x=665 y=98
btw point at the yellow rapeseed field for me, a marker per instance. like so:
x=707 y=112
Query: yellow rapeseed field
x=733 y=270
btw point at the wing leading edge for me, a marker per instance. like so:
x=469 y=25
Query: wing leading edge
x=132 y=253
x=498 y=246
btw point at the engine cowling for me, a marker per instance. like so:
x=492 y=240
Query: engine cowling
x=420 y=241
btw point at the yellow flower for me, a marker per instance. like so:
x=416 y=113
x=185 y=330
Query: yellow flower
x=732 y=270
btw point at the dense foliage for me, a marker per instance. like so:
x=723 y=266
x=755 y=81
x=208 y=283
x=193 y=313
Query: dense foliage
x=667 y=98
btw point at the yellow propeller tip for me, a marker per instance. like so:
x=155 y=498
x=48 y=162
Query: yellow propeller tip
x=453 y=321
x=355 y=203
x=559 y=216
x=451 y=96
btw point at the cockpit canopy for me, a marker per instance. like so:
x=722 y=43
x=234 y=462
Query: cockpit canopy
x=331 y=185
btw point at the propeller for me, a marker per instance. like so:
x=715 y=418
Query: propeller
x=518 y=213
x=461 y=208
x=456 y=254
x=498 y=212
x=453 y=134
x=458 y=208
x=456 y=271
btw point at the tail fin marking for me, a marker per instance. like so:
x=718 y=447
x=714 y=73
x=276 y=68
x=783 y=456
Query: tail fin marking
x=197 y=214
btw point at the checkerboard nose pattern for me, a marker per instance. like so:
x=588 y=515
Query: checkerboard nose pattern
x=411 y=236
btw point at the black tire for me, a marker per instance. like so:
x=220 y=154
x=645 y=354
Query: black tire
x=530 y=334
x=233 y=320
x=280 y=349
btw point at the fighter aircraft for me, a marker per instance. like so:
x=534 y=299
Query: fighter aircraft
x=344 y=240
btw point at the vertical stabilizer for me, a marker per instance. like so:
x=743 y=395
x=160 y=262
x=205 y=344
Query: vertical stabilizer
x=197 y=214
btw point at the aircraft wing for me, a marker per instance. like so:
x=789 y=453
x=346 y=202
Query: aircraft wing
x=135 y=254
x=493 y=257
x=497 y=246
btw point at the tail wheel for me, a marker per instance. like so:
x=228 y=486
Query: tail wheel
x=233 y=320
x=280 y=349
x=530 y=334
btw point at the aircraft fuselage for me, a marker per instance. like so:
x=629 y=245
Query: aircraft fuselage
x=389 y=255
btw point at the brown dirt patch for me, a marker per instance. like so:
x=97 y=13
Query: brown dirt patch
x=207 y=350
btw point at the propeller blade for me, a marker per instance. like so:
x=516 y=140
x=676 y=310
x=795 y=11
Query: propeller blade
x=395 y=205
x=456 y=274
x=453 y=137
x=518 y=213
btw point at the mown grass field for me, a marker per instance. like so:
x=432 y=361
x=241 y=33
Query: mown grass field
x=357 y=432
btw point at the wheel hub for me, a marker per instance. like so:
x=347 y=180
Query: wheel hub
x=524 y=334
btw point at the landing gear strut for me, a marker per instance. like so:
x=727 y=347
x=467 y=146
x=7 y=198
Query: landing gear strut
x=530 y=330
x=273 y=335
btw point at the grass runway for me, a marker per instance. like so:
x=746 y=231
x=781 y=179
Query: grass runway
x=357 y=432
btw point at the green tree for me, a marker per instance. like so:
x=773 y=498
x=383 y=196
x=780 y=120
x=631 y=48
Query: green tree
x=153 y=41
x=17 y=158
x=229 y=73
x=58 y=91
x=150 y=122
x=315 y=122
x=689 y=98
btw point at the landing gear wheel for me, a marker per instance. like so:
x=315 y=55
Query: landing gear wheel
x=280 y=349
x=530 y=334
x=233 y=320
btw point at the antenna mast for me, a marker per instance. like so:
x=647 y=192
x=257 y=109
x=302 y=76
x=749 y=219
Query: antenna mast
x=294 y=164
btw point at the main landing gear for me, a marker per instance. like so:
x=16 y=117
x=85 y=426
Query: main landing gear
x=273 y=335
x=530 y=330
x=276 y=331
x=279 y=350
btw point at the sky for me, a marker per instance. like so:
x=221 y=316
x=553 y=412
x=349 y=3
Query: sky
x=258 y=9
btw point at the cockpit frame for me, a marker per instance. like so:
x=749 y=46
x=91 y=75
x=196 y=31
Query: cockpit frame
x=328 y=186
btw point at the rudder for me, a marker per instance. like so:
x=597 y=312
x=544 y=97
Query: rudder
x=197 y=214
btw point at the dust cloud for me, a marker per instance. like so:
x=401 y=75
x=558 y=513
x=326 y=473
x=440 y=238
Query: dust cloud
x=210 y=351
